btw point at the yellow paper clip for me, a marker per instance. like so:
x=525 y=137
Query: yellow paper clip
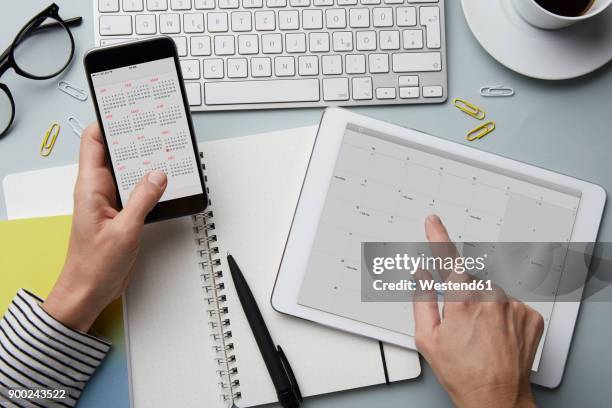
x=48 y=142
x=481 y=131
x=471 y=109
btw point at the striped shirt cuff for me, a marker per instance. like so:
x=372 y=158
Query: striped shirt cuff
x=38 y=352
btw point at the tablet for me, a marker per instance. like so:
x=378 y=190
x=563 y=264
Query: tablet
x=361 y=168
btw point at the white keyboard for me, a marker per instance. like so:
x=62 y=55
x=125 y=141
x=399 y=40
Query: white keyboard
x=253 y=54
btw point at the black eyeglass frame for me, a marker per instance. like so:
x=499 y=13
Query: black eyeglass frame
x=7 y=58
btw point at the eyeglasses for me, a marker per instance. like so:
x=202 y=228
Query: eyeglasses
x=42 y=49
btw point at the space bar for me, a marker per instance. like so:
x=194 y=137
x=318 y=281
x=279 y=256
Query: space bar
x=269 y=91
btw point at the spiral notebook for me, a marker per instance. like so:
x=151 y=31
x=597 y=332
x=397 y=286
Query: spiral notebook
x=189 y=343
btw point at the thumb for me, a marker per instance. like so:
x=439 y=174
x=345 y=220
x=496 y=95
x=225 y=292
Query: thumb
x=143 y=198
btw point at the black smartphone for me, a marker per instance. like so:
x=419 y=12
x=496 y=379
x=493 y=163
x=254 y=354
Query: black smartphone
x=141 y=104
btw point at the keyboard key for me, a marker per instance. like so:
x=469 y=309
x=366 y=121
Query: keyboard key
x=284 y=66
x=318 y=3
x=200 y=45
x=366 y=40
x=237 y=67
x=252 y=3
x=389 y=40
x=413 y=39
x=335 y=18
x=409 y=92
x=430 y=18
x=342 y=40
x=193 y=23
x=379 y=63
x=268 y=91
x=224 y=45
x=432 y=92
x=145 y=24
x=382 y=16
x=405 y=16
x=248 y=44
x=112 y=41
x=180 y=4
x=265 y=21
x=362 y=88
x=359 y=17
x=295 y=42
x=261 y=67
x=217 y=22
x=417 y=62
x=272 y=43
x=157 y=5
x=228 y=4
x=204 y=4
x=288 y=19
x=241 y=21
x=181 y=45
x=299 y=3
x=276 y=3
x=355 y=64
x=408 y=80
x=385 y=93
x=190 y=69
x=213 y=68
x=312 y=19
x=108 y=6
x=133 y=5
x=115 y=25
x=346 y=2
x=194 y=93
x=169 y=23
x=319 y=42
x=370 y=2
x=335 y=89
x=331 y=64
x=422 y=1
x=308 y=65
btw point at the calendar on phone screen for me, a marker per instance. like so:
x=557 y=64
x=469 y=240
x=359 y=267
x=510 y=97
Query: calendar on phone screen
x=146 y=127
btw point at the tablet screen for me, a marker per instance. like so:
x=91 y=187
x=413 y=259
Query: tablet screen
x=382 y=189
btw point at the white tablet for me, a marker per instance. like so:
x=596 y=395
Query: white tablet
x=359 y=169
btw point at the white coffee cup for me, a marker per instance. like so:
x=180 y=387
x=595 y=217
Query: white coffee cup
x=538 y=16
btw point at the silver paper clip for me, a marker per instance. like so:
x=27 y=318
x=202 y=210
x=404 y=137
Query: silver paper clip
x=496 y=90
x=72 y=90
x=76 y=126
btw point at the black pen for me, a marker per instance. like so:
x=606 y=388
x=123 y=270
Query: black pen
x=286 y=386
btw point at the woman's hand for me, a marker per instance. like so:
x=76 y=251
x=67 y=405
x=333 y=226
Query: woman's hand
x=480 y=349
x=104 y=242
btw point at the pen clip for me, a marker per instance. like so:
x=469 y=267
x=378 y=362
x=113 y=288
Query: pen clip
x=294 y=385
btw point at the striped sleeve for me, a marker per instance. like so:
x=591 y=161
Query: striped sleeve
x=38 y=352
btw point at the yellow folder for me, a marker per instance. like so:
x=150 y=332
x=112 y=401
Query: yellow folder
x=32 y=253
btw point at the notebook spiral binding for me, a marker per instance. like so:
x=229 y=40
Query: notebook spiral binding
x=213 y=286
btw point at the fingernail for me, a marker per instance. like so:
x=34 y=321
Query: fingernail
x=158 y=178
x=434 y=219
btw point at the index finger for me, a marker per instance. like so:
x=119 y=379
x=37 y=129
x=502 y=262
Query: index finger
x=91 y=154
x=442 y=247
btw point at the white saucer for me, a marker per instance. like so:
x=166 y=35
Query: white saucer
x=561 y=54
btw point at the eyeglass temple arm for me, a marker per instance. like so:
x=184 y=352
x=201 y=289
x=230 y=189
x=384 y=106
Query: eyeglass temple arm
x=74 y=21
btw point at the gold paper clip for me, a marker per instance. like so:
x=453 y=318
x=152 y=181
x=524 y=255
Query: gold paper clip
x=471 y=109
x=481 y=131
x=496 y=90
x=49 y=141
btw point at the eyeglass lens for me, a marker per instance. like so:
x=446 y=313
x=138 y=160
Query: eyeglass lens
x=6 y=111
x=43 y=51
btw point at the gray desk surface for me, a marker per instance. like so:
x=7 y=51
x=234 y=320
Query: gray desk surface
x=561 y=126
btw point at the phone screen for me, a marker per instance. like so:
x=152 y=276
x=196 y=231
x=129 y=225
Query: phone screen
x=146 y=127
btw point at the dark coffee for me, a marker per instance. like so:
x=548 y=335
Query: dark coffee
x=566 y=8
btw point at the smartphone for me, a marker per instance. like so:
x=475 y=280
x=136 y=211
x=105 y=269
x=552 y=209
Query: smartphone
x=141 y=104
